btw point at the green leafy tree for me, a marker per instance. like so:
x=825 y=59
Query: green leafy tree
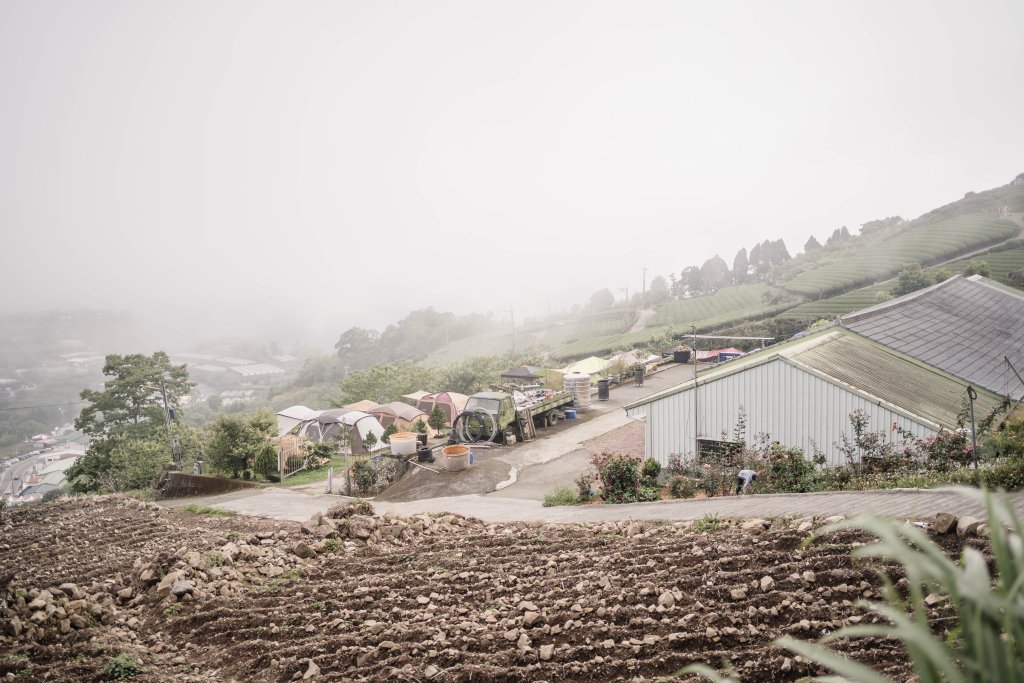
x=601 y=300
x=691 y=282
x=384 y=383
x=437 y=418
x=369 y=441
x=420 y=426
x=130 y=407
x=473 y=374
x=714 y=274
x=657 y=293
x=236 y=441
x=740 y=266
x=135 y=463
x=911 y=279
x=976 y=267
x=388 y=431
x=265 y=462
x=358 y=348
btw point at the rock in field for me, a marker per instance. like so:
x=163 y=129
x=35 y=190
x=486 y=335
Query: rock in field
x=944 y=523
x=967 y=526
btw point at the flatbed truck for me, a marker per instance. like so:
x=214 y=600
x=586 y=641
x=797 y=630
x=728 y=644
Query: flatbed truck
x=495 y=416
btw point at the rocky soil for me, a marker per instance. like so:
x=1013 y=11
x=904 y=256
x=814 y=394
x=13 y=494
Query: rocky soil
x=354 y=597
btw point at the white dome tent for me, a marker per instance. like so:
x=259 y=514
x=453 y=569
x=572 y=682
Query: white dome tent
x=329 y=425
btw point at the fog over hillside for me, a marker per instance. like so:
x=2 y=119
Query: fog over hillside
x=285 y=171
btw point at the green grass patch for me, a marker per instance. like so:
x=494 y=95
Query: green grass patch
x=320 y=474
x=708 y=523
x=121 y=666
x=197 y=509
x=275 y=584
x=290 y=575
x=566 y=495
x=172 y=611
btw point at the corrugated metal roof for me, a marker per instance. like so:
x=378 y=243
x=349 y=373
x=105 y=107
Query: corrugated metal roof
x=964 y=326
x=891 y=377
x=865 y=367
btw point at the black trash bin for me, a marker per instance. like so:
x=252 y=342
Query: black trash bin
x=638 y=377
x=425 y=454
x=681 y=356
x=421 y=437
x=602 y=389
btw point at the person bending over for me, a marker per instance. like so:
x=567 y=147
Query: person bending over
x=743 y=480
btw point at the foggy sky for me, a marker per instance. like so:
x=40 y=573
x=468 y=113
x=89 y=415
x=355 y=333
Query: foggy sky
x=307 y=166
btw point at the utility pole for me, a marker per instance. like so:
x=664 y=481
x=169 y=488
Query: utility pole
x=175 y=449
x=1010 y=365
x=696 y=434
x=625 y=321
x=643 y=292
x=512 y=315
x=971 y=395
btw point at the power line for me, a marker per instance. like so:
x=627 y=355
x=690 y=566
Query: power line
x=44 y=405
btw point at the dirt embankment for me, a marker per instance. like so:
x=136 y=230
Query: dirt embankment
x=352 y=597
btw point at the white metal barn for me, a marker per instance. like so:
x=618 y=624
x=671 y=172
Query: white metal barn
x=802 y=393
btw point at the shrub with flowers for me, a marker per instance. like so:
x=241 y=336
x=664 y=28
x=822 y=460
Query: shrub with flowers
x=680 y=486
x=619 y=475
x=945 y=450
x=788 y=470
x=875 y=459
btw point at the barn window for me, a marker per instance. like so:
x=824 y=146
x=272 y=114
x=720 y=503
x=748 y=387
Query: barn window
x=718 y=451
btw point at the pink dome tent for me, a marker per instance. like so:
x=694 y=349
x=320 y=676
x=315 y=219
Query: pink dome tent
x=451 y=403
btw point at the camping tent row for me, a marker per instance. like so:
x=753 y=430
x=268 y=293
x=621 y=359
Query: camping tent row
x=402 y=415
x=450 y=402
x=331 y=425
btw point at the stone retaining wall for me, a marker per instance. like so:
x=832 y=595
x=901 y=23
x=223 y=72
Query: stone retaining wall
x=180 y=484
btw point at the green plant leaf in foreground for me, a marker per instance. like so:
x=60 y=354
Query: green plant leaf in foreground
x=987 y=645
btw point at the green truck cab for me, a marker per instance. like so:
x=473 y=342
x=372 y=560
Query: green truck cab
x=495 y=416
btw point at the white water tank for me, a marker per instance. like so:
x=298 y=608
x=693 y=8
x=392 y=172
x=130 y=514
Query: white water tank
x=579 y=384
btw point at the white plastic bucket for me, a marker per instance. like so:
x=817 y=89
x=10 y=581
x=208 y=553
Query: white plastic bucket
x=456 y=458
x=403 y=443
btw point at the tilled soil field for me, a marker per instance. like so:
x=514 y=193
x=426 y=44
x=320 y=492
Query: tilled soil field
x=442 y=598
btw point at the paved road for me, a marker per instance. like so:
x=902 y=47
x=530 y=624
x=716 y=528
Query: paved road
x=901 y=504
x=17 y=471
